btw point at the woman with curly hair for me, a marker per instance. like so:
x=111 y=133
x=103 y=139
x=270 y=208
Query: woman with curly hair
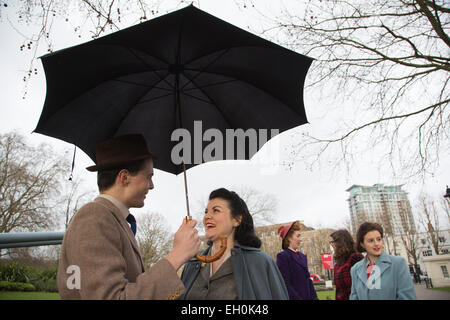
x=345 y=256
x=244 y=272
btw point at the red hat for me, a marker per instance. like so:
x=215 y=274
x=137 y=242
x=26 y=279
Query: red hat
x=284 y=230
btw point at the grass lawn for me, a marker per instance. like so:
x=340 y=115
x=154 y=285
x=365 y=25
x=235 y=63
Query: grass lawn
x=326 y=295
x=17 y=295
x=447 y=289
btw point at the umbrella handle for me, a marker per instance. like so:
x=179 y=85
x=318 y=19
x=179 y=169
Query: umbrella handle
x=218 y=255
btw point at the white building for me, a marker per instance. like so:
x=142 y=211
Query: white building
x=424 y=249
x=438 y=268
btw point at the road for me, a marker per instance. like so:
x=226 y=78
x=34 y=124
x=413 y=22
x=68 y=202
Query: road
x=429 y=294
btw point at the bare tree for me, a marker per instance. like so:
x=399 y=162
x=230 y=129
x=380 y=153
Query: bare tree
x=154 y=237
x=37 y=21
x=30 y=184
x=74 y=198
x=429 y=219
x=387 y=63
x=345 y=223
x=410 y=240
x=409 y=235
x=262 y=207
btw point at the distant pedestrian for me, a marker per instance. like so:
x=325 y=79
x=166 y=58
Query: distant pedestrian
x=379 y=276
x=294 y=265
x=345 y=256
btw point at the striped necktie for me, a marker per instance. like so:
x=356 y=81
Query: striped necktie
x=132 y=221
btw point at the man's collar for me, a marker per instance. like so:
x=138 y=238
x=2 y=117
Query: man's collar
x=122 y=208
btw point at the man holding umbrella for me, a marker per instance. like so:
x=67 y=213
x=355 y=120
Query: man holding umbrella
x=100 y=258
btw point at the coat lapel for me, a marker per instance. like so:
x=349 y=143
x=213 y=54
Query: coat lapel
x=124 y=224
x=384 y=262
x=300 y=259
x=362 y=271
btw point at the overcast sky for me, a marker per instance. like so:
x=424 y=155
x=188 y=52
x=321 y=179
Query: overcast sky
x=317 y=197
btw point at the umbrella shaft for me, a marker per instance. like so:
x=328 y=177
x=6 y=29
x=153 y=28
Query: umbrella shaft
x=186 y=190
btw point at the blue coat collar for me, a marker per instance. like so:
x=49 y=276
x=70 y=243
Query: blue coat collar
x=384 y=262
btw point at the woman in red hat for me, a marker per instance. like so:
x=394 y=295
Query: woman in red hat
x=294 y=265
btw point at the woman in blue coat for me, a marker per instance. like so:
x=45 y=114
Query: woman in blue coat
x=293 y=264
x=379 y=276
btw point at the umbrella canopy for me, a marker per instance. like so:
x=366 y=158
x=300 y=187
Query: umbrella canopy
x=166 y=74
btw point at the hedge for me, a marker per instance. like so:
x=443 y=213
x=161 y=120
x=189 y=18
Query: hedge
x=16 y=286
x=42 y=279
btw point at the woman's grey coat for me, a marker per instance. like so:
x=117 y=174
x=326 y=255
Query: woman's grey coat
x=256 y=274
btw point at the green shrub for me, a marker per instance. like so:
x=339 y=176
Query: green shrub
x=45 y=279
x=14 y=272
x=16 y=286
x=42 y=279
x=45 y=285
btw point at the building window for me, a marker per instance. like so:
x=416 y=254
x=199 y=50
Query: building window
x=444 y=251
x=423 y=241
x=427 y=253
x=442 y=239
x=444 y=271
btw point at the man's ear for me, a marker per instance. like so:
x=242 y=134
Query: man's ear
x=123 y=177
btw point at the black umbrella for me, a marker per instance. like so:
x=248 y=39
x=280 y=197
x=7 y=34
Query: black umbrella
x=184 y=70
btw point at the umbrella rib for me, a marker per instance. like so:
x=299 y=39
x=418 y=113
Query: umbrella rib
x=206 y=67
x=211 y=84
x=212 y=102
x=149 y=66
x=143 y=85
x=155 y=98
x=200 y=99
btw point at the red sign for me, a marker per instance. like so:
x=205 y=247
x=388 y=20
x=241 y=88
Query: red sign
x=327 y=261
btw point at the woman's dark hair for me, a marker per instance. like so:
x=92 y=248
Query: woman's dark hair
x=365 y=228
x=106 y=178
x=344 y=245
x=245 y=232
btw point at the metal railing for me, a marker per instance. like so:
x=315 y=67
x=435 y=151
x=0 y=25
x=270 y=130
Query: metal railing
x=30 y=239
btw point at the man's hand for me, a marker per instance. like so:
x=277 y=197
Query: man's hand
x=186 y=244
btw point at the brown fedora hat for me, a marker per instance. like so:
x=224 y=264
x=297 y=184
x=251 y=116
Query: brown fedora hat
x=119 y=151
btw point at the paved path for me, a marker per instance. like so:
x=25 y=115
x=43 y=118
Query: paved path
x=429 y=294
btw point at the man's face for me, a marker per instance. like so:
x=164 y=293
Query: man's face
x=138 y=185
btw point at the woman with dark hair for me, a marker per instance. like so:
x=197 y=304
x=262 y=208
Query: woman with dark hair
x=244 y=272
x=293 y=264
x=345 y=256
x=379 y=276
